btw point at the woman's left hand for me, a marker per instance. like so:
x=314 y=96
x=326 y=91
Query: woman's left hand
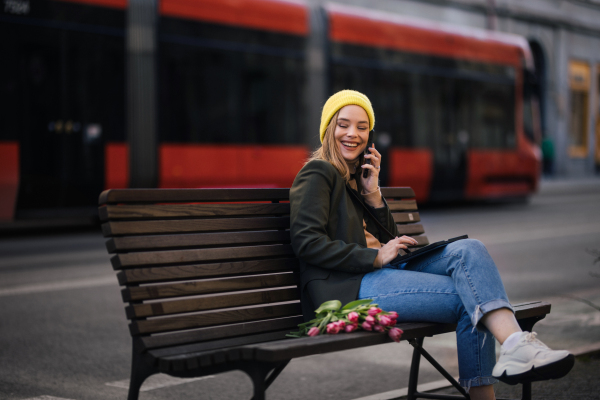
x=371 y=182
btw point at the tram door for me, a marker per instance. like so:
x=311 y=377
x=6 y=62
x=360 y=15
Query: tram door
x=63 y=85
x=449 y=137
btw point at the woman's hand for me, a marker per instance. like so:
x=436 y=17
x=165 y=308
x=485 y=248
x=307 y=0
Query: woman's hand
x=371 y=182
x=389 y=251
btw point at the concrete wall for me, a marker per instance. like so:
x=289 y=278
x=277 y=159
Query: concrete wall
x=565 y=29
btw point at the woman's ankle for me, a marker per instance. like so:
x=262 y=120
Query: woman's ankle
x=482 y=393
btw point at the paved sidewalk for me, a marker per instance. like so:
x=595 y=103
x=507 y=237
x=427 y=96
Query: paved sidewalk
x=582 y=383
x=572 y=324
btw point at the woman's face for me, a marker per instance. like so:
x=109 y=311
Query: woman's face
x=352 y=131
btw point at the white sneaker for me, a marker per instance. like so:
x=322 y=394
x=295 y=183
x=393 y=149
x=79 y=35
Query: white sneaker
x=531 y=360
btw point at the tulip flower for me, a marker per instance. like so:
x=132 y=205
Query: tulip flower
x=374 y=311
x=341 y=324
x=367 y=326
x=332 y=328
x=350 y=327
x=353 y=316
x=393 y=315
x=378 y=328
x=370 y=319
x=314 y=331
x=395 y=334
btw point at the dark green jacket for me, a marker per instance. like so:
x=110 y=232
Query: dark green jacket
x=328 y=237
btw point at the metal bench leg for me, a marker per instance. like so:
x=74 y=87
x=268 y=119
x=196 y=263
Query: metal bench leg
x=412 y=384
x=140 y=370
x=526 y=391
x=261 y=379
x=413 y=378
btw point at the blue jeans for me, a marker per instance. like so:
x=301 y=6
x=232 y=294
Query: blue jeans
x=455 y=284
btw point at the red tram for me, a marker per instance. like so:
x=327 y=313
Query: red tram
x=456 y=115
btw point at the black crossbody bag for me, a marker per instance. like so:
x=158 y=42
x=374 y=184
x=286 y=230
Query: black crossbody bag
x=410 y=254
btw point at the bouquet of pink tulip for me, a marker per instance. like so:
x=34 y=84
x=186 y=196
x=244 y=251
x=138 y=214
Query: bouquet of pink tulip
x=332 y=318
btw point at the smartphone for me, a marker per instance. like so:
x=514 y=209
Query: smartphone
x=369 y=144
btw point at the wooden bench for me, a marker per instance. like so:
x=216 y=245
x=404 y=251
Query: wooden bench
x=209 y=278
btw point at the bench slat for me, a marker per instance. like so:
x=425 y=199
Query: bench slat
x=199 y=349
x=114 y=196
x=161 y=274
x=421 y=240
x=412 y=229
x=397 y=192
x=220 y=332
x=402 y=205
x=214 y=318
x=128 y=260
x=211 y=303
x=153 y=211
x=406 y=217
x=120 y=228
x=207 y=287
x=157 y=242
x=213 y=358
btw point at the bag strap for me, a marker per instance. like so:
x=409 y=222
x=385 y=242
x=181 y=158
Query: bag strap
x=360 y=200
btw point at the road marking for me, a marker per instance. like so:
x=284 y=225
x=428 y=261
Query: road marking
x=71 y=257
x=156 y=382
x=57 y=286
x=47 y=398
x=538 y=234
x=393 y=394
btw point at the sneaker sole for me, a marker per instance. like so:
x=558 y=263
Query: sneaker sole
x=556 y=370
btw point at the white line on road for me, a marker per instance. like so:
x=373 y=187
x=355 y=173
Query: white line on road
x=62 y=285
x=156 y=382
x=394 y=394
x=70 y=257
x=538 y=234
x=47 y=398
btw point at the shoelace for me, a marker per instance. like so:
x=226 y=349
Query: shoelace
x=531 y=337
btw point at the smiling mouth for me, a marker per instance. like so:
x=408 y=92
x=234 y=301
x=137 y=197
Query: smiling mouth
x=350 y=145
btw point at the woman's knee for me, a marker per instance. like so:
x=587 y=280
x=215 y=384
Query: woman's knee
x=468 y=246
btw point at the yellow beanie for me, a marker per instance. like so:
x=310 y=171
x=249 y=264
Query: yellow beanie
x=341 y=99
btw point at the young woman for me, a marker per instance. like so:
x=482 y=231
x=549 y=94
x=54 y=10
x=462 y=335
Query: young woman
x=345 y=256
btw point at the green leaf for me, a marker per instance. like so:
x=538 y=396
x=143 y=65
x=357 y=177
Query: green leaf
x=356 y=303
x=331 y=305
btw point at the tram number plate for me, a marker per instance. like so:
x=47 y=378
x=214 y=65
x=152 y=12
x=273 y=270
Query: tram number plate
x=20 y=7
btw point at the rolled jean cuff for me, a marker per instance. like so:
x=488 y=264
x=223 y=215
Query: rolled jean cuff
x=478 y=381
x=482 y=309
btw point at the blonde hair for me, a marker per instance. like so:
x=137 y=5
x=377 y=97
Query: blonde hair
x=330 y=151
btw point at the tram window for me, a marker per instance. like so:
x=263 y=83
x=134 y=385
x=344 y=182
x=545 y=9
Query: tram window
x=389 y=91
x=579 y=84
x=493 y=124
x=215 y=95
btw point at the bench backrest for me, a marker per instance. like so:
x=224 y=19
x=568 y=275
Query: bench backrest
x=200 y=265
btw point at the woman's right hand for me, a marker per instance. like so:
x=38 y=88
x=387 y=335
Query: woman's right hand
x=389 y=251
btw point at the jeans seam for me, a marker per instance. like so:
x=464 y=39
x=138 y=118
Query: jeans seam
x=470 y=282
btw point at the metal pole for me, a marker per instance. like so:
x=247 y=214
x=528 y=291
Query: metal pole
x=141 y=92
x=317 y=60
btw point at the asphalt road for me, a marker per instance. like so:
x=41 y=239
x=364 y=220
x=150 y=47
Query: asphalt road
x=63 y=331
